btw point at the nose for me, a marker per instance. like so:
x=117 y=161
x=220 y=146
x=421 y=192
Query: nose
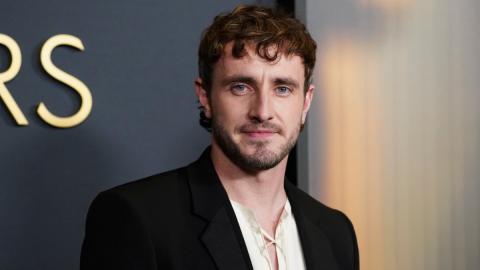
x=261 y=107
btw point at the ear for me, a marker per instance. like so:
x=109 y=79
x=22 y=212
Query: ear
x=307 y=101
x=203 y=97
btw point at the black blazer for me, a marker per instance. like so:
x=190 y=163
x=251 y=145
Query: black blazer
x=182 y=219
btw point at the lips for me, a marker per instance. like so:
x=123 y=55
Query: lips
x=261 y=130
x=260 y=133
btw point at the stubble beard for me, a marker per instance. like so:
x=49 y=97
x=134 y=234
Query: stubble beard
x=263 y=158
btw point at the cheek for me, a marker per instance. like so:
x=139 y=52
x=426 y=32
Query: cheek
x=227 y=111
x=289 y=111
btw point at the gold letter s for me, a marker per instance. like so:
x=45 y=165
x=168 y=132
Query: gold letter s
x=81 y=88
x=8 y=76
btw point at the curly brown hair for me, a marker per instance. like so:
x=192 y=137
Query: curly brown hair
x=264 y=28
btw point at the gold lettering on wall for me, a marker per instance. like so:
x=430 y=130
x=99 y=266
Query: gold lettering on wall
x=8 y=75
x=76 y=84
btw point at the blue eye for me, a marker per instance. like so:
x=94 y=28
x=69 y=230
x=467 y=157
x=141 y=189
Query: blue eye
x=239 y=88
x=282 y=89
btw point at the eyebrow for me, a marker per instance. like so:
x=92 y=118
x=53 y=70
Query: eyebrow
x=286 y=81
x=249 y=80
x=236 y=79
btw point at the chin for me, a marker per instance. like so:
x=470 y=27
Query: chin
x=258 y=156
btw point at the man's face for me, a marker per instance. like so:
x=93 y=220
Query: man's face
x=256 y=107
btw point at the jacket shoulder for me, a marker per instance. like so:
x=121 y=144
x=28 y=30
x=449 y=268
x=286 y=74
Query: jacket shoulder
x=165 y=193
x=121 y=220
x=162 y=185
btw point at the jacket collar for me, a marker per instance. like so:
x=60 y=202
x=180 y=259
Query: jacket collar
x=316 y=246
x=223 y=237
x=300 y=219
x=208 y=194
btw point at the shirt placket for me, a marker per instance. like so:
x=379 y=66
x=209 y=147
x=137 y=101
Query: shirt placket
x=279 y=242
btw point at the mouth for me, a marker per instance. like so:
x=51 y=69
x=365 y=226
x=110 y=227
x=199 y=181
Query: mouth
x=260 y=134
x=261 y=130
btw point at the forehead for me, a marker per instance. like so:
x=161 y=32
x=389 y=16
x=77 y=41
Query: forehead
x=252 y=64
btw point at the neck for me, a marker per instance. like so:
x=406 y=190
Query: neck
x=260 y=191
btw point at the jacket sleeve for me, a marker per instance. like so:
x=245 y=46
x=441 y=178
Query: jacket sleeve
x=115 y=236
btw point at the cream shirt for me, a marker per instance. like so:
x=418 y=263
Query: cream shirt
x=288 y=246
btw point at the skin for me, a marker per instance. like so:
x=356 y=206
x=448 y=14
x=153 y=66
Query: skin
x=269 y=95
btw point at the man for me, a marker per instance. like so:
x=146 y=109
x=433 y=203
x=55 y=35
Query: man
x=232 y=208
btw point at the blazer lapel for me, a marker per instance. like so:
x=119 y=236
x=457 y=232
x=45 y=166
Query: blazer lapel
x=221 y=242
x=222 y=238
x=316 y=247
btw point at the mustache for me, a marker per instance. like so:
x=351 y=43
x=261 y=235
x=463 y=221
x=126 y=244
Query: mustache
x=253 y=126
